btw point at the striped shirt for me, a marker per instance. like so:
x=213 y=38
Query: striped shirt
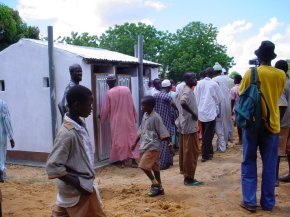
x=5 y=123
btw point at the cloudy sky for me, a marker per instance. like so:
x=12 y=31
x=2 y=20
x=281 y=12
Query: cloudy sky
x=242 y=24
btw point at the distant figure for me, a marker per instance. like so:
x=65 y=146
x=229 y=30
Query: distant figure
x=150 y=134
x=71 y=160
x=167 y=113
x=5 y=131
x=148 y=90
x=187 y=127
x=223 y=120
x=284 y=136
x=173 y=87
x=179 y=87
x=266 y=138
x=234 y=101
x=156 y=86
x=75 y=71
x=118 y=106
x=208 y=97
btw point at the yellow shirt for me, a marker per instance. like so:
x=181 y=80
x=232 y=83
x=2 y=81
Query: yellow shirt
x=272 y=85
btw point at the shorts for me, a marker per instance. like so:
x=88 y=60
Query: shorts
x=88 y=206
x=284 y=142
x=149 y=160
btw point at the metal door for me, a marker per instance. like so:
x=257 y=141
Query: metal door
x=104 y=142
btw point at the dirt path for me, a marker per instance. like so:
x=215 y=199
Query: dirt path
x=28 y=193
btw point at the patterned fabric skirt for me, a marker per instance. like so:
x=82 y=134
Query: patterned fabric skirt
x=166 y=158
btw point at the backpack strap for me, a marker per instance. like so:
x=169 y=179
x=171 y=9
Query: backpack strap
x=256 y=81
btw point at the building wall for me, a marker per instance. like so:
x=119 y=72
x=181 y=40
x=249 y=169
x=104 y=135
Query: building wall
x=23 y=68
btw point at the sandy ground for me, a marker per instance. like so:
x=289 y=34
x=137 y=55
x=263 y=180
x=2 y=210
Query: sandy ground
x=28 y=193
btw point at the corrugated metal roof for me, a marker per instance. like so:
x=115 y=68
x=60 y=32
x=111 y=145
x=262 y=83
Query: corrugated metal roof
x=97 y=54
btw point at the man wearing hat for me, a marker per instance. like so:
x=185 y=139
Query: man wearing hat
x=118 y=106
x=164 y=108
x=272 y=82
x=223 y=120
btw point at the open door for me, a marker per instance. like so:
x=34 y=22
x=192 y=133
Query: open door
x=104 y=141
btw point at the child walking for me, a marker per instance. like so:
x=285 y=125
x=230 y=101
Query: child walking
x=151 y=132
x=71 y=161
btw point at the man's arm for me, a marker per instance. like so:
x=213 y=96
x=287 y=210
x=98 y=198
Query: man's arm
x=74 y=181
x=188 y=109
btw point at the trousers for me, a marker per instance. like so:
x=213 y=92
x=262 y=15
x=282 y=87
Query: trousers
x=268 y=146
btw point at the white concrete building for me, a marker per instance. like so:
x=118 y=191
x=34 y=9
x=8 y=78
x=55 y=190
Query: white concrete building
x=24 y=85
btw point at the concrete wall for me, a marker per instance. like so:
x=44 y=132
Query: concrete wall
x=23 y=68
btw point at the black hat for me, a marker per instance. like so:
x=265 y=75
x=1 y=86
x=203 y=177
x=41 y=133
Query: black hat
x=266 y=51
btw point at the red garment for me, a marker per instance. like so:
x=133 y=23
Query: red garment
x=119 y=107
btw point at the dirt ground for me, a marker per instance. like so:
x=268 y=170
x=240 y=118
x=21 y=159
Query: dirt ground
x=28 y=193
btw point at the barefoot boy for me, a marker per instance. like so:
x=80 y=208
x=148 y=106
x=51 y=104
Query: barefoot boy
x=151 y=132
x=71 y=160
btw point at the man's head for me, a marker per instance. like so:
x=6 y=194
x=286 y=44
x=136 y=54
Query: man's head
x=266 y=51
x=210 y=72
x=282 y=64
x=190 y=79
x=79 y=100
x=237 y=79
x=217 y=68
x=112 y=81
x=166 y=85
x=76 y=73
x=157 y=83
x=148 y=103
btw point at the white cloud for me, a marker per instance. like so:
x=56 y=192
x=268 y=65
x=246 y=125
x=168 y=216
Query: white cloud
x=154 y=4
x=241 y=44
x=89 y=16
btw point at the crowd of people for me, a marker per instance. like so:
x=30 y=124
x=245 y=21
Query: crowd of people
x=175 y=119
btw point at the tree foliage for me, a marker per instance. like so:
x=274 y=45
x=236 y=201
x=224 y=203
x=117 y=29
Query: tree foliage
x=123 y=38
x=194 y=48
x=12 y=28
x=233 y=74
x=83 y=39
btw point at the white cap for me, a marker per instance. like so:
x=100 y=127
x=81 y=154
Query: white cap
x=165 y=83
x=217 y=67
x=223 y=71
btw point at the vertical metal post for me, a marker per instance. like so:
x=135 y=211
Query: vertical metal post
x=140 y=73
x=51 y=81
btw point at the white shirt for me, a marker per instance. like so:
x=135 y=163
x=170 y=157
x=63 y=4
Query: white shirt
x=223 y=82
x=154 y=91
x=208 y=96
x=179 y=87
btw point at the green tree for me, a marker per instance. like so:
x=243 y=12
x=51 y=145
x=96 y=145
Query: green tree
x=83 y=39
x=194 y=48
x=233 y=74
x=123 y=38
x=12 y=28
